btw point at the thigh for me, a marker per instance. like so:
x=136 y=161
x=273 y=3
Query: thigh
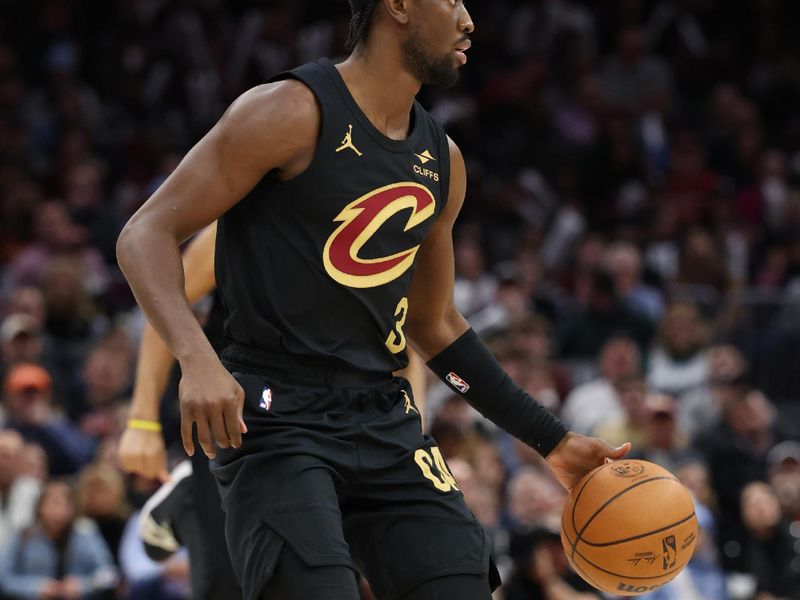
x=407 y=523
x=297 y=507
x=293 y=579
x=462 y=587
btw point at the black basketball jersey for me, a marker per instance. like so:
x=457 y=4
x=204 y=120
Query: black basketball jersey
x=320 y=265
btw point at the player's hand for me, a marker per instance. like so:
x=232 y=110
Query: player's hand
x=577 y=454
x=212 y=398
x=143 y=453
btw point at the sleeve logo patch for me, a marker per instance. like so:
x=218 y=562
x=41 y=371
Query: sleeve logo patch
x=458 y=383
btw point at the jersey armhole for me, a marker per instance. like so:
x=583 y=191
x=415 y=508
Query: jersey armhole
x=321 y=137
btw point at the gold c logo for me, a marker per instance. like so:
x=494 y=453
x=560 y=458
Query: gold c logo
x=360 y=220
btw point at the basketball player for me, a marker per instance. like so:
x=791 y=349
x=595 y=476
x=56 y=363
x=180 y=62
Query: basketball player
x=186 y=510
x=336 y=194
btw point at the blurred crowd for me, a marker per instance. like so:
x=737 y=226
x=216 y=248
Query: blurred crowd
x=629 y=248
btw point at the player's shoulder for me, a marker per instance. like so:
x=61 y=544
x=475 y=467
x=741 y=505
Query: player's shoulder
x=283 y=105
x=456 y=157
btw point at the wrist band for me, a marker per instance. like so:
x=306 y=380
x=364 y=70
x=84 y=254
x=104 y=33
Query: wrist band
x=469 y=369
x=143 y=425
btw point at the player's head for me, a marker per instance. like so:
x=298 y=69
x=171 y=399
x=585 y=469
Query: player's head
x=433 y=34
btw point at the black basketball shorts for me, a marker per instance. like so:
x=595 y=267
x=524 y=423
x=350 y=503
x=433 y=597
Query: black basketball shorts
x=335 y=464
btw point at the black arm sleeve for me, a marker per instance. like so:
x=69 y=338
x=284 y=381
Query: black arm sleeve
x=469 y=368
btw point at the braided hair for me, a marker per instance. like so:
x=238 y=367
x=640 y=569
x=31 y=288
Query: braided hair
x=360 y=24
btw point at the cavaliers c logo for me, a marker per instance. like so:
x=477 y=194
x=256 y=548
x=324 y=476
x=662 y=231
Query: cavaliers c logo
x=360 y=220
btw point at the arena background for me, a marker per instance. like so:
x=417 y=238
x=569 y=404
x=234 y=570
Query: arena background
x=628 y=247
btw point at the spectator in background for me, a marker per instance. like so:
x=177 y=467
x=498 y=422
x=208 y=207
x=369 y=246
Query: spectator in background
x=771 y=549
x=71 y=313
x=623 y=260
x=59 y=557
x=699 y=408
x=57 y=236
x=783 y=464
x=509 y=306
x=85 y=199
x=28 y=300
x=703 y=270
x=531 y=338
x=584 y=333
x=101 y=497
x=632 y=74
x=487 y=467
x=679 y=362
x=663 y=443
x=34 y=462
x=20 y=340
x=632 y=427
x=735 y=450
x=693 y=473
x=18 y=492
x=596 y=404
x=541 y=570
x=534 y=499
x=29 y=410
x=106 y=375
x=474 y=287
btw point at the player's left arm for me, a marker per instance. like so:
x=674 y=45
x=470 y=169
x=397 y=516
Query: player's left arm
x=443 y=338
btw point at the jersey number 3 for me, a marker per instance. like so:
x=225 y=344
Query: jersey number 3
x=396 y=342
x=444 y=481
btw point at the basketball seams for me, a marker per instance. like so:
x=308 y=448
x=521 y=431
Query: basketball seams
x=578 y=568
x=580 y=492
x=604 y=505
x=637 y=537
x=575 y=503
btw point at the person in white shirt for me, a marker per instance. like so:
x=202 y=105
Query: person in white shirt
x=18 y=492
x=596 y=404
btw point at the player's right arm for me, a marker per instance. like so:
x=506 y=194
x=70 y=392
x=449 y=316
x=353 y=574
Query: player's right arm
x=142 y=451
x=269 y=129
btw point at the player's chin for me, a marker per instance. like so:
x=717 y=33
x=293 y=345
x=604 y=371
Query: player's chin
x=448 y=78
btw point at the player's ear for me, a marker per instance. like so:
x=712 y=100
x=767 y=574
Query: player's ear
x=397 y=10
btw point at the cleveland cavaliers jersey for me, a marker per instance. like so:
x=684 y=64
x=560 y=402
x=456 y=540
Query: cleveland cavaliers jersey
x=320 y=265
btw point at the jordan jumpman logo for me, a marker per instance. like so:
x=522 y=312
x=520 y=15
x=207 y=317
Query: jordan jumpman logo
x=347 y=142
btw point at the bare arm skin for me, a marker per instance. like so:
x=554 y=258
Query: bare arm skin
x=271 y=128
x=434 y=323
x=143 y=452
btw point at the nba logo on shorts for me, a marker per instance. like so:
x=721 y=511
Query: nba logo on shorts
x=266 y=399
x=458 y=383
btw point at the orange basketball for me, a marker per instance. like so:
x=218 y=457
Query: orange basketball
x=629 y=527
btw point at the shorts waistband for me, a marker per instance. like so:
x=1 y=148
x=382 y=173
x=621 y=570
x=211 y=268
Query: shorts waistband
x=312 y=369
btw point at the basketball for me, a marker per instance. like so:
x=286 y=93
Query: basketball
x=629 y=527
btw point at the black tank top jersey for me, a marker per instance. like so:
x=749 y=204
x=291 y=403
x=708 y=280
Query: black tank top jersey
x=320 y=265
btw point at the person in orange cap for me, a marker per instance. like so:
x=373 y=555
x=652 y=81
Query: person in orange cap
x=27 y=400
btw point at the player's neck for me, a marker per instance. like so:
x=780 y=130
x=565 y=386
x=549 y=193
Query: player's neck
x=382 y=88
